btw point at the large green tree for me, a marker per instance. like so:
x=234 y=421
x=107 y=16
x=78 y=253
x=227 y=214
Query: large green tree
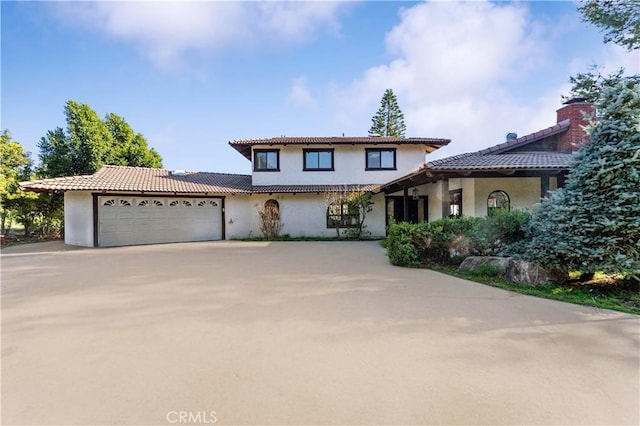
x=128 y=147
x=15 y=166
x=41 y=213
x=389 y=120
x=593 y=223
x=90 y=142
x=619 y=19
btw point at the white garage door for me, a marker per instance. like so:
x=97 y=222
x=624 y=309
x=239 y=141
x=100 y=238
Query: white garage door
x=125 y=221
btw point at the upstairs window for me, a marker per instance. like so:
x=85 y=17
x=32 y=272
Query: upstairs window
x=266 y=160
x=318 y=159
x=455 y=203
x=381 y=159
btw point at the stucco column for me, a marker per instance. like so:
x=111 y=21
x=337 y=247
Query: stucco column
x=444 y=194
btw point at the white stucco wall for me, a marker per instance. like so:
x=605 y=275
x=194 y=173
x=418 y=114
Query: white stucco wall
x=523 y=193
x=349 y=165
x=304 y=215
x=78 y=218
x=237 y=216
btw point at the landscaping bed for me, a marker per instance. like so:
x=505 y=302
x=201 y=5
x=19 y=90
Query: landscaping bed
x=444 y=244
x=604 y=292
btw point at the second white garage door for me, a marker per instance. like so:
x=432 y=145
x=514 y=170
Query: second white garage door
x=127 y=221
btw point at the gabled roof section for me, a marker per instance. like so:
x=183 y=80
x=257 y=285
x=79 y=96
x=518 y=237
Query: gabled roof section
x=243 y=146
x=141 y=179
x=501 y=156
x=527 y=139
x=511 y=161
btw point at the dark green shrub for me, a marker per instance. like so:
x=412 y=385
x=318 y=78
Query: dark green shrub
x=499 y=230
x=450 y=240
x=401 y=247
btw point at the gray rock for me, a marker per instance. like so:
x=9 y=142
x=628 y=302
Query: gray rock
x=475 y=263
x=527 y=273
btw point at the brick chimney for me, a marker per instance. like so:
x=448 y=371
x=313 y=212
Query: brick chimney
x=574 y=137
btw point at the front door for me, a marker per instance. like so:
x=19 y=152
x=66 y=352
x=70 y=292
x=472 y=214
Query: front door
x=395 y=209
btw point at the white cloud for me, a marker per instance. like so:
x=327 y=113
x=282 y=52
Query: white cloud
x=300 y=95
x=453 y=68
x=166 y=32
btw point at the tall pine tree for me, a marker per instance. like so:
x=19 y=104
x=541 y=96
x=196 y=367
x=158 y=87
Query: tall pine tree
x=593 y=224
x=389 y=120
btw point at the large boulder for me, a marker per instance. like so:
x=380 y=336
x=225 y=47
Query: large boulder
x=528 y=273
x=477 y=264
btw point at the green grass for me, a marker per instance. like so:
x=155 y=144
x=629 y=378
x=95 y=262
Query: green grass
x=290 y=238
x=604 y=297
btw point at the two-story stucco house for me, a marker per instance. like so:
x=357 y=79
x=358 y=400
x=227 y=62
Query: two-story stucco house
x=131 y=205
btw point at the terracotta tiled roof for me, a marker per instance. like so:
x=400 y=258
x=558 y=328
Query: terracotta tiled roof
x=527 y=139
x=139 y=179
x=244 y=145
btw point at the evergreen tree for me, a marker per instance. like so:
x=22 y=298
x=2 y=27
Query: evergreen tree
x=590 y=84
x=389 y=120
x=593 y=224
x=619 y=19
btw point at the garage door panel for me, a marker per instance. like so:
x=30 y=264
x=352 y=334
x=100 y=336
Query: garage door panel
x=149 y=220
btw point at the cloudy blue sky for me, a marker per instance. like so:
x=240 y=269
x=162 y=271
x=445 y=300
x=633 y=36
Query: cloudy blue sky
x=192 y=76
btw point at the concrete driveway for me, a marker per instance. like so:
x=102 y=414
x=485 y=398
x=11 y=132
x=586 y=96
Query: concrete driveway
x=296 y=333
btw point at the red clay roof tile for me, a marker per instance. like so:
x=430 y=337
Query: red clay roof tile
x=140 y=179
x=243 y=146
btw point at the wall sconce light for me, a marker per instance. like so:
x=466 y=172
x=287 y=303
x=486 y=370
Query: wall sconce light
x=415 y=194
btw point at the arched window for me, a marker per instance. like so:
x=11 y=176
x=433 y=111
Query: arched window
x=270 y=219
x=272 y=204
x=342 y=216
x=498 y=200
